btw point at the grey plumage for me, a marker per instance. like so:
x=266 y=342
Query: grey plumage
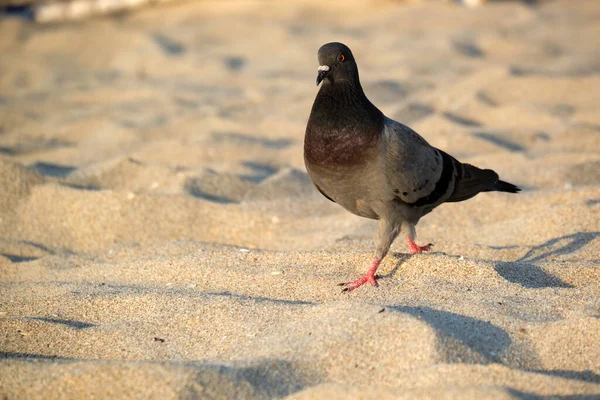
x=376 y=167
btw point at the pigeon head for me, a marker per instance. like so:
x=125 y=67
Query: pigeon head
x=336 y=63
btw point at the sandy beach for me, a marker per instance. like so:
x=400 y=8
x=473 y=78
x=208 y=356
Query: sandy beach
x=160 y=238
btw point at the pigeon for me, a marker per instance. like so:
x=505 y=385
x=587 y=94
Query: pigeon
x=376 y=167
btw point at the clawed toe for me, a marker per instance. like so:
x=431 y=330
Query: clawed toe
x=350 y=286
x=369 y=277
x=414 y=248
x=427 y=247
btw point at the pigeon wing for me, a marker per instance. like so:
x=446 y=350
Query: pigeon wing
x=422 y=176
x=416 y=172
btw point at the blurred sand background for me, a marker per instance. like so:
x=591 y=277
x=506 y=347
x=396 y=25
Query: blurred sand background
x=159 y=236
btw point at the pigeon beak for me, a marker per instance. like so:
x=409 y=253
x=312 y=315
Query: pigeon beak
x=323 y=70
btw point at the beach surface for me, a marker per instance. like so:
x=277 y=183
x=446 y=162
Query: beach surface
x=160 y=238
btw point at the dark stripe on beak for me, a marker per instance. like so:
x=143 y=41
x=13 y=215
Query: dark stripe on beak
x=321 y=75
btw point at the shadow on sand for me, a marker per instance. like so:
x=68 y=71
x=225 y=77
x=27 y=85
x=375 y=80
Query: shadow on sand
x=525 y=273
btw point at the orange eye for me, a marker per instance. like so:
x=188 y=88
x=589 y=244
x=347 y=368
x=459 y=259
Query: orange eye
x=341 y=58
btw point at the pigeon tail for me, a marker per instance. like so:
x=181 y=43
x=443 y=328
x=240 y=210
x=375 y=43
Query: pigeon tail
x=502 y=186
x=473 y=180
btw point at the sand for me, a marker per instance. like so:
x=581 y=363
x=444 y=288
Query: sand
x=159 y=236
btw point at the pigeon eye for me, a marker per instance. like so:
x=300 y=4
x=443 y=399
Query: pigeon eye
x=341 y=58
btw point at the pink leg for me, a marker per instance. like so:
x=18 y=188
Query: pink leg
x=417 y=249
x=369 y=277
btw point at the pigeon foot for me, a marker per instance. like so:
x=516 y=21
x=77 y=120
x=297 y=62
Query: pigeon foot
x=414 y=248
x=369 y=277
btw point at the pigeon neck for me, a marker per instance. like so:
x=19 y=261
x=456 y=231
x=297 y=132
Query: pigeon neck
x=343 y=107
x=343 y=124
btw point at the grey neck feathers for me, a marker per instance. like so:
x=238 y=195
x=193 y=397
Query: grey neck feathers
x=343 y=123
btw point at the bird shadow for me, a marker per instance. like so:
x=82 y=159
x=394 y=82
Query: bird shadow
x=529 y=276
x=465 y=339
x=525 y=273
x=400 y=259
x=574 y=242
x=462 y=339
